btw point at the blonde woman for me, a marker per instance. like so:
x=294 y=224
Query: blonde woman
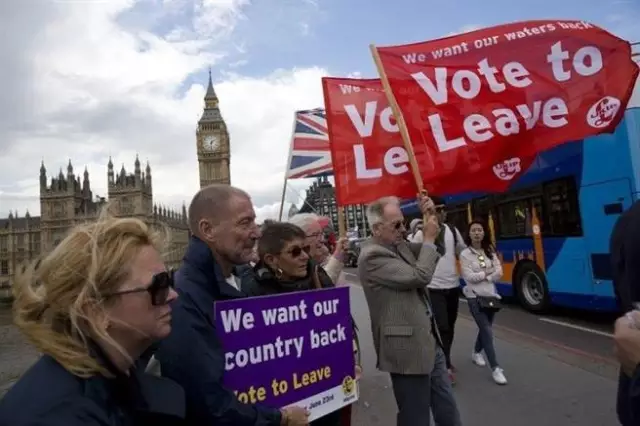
x=92 y=307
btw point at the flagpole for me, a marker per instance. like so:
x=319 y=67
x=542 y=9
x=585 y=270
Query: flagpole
x=284 y=191
x=288 y=166
x=397 y=113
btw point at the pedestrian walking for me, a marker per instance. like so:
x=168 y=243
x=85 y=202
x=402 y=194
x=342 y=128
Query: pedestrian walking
x=481 y=268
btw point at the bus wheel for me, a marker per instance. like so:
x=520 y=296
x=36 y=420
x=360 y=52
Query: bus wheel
x=532 y=288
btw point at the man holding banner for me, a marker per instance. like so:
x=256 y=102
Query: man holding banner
x=394 y=275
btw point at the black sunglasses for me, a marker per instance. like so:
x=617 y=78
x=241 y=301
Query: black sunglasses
x=297 y=251
x=159 y=289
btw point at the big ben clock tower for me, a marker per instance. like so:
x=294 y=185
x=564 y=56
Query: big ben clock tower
x=214 y=154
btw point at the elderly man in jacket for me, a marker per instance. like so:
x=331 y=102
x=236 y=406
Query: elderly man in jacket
x=222 y=221
x=394 y=275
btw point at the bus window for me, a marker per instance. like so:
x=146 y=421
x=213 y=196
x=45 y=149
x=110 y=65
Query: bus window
x=481 y=207
x=562 y=211
x=457 y=216
x=515 y=218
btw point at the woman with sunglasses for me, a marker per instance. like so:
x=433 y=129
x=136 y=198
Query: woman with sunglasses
x=480 y=269
x=286 y=266
x=92 y=307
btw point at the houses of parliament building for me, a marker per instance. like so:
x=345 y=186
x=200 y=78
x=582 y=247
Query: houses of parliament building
x=67 y=199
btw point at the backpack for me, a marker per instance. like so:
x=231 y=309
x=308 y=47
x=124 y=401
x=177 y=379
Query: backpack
x=456 y=240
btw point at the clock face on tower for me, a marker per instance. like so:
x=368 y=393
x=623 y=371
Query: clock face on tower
x=210 y=143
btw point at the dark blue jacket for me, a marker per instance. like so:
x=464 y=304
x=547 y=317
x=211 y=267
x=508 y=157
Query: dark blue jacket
x=192 y=355
x=48 y=395
x=624 y=248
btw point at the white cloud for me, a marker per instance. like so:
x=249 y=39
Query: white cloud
x=215 y=18
x=86 y=87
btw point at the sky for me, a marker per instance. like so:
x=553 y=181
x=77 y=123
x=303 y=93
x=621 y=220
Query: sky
x=85 y=80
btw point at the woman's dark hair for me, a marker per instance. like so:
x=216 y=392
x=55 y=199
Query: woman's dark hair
x=276 y=235
x=486 y=240
x=266 y=223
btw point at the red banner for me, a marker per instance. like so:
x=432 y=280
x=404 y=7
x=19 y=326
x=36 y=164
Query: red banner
x=479 y=106
x=369 y=159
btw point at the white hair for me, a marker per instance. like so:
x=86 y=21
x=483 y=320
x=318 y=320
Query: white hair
x=375 y=210
x=304 y=220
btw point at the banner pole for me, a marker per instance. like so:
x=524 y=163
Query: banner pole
x=284 y=193
x=288 y=166
x=404 y=132
x=342 y=223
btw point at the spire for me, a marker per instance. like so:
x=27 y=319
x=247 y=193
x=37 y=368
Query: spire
x=69 y=168
x=110 y=164
x=211 y=94
x=43 y=176
x=211 y=113
x=137 y=169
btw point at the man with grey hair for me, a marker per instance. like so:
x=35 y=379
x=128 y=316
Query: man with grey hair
x=310 y=224
x=394 y=275
x=222 y=221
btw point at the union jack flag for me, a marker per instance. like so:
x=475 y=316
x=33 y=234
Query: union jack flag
x=310 y=154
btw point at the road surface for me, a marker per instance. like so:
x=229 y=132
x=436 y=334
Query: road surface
x=558 y=374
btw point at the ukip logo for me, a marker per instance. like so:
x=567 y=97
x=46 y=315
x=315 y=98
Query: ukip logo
x=508 y=169
x=603 y=112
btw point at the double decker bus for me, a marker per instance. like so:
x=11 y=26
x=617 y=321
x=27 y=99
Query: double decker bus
x=551 y=228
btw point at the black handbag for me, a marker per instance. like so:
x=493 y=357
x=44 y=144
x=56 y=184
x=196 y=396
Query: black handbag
x=489 y=303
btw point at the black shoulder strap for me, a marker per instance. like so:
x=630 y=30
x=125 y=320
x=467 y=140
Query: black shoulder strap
x=454 y=231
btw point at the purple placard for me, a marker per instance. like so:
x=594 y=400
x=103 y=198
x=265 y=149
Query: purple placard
x=307 y=360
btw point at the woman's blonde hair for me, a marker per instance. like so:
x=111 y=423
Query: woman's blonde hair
x=59 y=299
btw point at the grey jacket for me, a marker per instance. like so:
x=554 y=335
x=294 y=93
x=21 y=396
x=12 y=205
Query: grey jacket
x=394 y=283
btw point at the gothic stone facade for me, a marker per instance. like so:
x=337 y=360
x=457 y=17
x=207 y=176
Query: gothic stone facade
x=68 y=200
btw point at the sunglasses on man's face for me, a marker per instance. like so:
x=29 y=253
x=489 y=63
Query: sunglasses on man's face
x=159 y=289
x=397 y=225
x=297 y=251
